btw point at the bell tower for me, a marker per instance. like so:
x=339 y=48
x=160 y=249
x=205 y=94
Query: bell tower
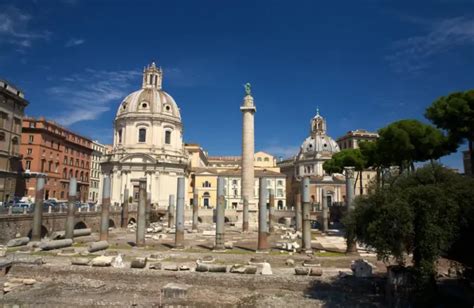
x=152 y=77
x=318 y=125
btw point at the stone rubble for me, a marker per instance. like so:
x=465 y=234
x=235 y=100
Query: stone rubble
x=118 y=262
x=266 y=269
x=362 y=268
x=138 y=263
x=102 y=261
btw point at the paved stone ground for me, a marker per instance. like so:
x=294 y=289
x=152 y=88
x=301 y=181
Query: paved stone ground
x=58 y=283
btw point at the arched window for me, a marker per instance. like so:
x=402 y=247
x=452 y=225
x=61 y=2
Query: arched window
x=64 y=173
x=87 y=176
x=168 y=137
x=77 y=174
x=142 y=135
x=82 y=176
x=70 y=173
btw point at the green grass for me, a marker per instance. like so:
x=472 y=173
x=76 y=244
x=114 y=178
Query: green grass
x=330 y=254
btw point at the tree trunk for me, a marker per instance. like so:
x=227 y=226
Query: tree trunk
x=471 y=155
x=361 y=186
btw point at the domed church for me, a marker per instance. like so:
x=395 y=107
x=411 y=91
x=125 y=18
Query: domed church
x=148 y=142
x=317 y=148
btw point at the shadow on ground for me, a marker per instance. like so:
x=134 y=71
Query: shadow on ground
x=348 y=291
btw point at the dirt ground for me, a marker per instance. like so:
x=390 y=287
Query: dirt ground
x=57 y=283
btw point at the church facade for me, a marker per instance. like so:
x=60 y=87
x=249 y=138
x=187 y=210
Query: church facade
x=148 y=143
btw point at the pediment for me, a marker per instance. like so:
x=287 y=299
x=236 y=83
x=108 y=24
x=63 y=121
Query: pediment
x=138 y=158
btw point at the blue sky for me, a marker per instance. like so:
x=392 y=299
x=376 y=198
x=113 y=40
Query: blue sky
x=364 y=63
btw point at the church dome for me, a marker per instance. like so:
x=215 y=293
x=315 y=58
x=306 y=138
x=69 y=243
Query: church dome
x=150 y=99
x=148 y=120
x=319 y=143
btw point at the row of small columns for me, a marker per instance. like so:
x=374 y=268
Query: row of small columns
x=302 y=212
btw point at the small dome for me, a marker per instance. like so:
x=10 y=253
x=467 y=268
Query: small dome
x=318 y=144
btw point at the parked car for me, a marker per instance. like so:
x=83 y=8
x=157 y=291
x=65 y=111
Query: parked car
x=19 y=208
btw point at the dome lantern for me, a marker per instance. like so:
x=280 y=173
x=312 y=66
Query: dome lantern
x=152 y=77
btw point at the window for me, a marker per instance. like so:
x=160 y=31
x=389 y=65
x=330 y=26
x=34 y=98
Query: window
x=234 y=182
x=269 y=182
x=280 y=182
x=236 y=193
x=266 y=159
x=71 y=161
x=82 y=164
x=67 y=149
x=206 y=184
x=29 y=151
x=168 y=137
x=279 y=192
x=2 y=136
x=142 y=135
x=32 y=124
x=65 y=160
x=3 y=119
x=259 y=159
x=31 y=138
x=28 y=164
x=15 y=144
x=17 y=125
x=50 y=165
x=64 y=173
x=62 y=195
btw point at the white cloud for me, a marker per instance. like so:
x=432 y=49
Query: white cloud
x=74 y=42
x=86 y=95
x=413 y=54
x=15 y=28
x=282 y=150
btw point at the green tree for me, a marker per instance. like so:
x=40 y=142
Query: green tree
x=371 y=154
x=455 y=114
x=346 y=158
x=405 y=142
x=418 y=214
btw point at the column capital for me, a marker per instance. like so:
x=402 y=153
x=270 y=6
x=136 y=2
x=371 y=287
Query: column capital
x=349 y=172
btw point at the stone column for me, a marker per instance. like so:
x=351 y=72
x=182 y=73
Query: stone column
x=148 y=199
x=298 y=214
x=141 y=221
x=220 y=214
x=324 y=205
x=171 y=210
x=71 y=207
x=125 y=208
x=262 y=216
x=248 y=143
x=179 y=234
x=245 y=215
x=349 y=171
x=195 y=209
x=104 y=217
x=38 y=214
x=306 y=214
x=271 y=210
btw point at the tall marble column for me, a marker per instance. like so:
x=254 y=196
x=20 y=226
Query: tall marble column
x=38 y=211
x=104 y=217
x=306 y=214
x=324 y=205
x=248 y=149
x=349 y=171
